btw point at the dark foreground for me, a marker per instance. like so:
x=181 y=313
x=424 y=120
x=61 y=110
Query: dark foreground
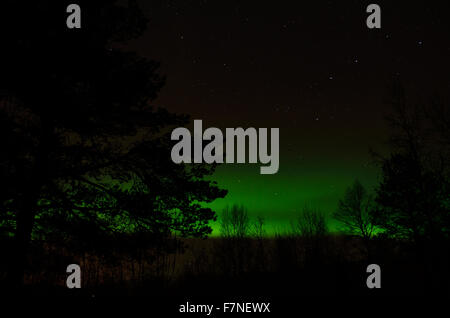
x=292 y=276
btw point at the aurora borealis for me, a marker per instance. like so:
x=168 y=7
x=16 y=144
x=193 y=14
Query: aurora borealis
x=226 y=155
x=315 y=71
x=312 y=179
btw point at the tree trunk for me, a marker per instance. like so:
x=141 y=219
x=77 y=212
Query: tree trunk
x=27 y=210
x=24 y=227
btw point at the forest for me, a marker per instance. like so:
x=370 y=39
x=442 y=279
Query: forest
x=87 y=178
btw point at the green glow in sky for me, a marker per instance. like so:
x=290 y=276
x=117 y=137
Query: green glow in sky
x=279 y=198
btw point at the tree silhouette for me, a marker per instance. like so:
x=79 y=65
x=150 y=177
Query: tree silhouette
x=234 y=222
x=310 y=223
x=355 y=212
x=83 y=150
x=411 y=200
x=413 y=196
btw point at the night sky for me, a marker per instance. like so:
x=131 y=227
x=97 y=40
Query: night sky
x=313 y=70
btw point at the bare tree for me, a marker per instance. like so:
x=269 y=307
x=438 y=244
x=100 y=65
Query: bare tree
x=413 y=195
x=235 y=222
x=310 y=223
x=354 y=211
x=257 y=228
